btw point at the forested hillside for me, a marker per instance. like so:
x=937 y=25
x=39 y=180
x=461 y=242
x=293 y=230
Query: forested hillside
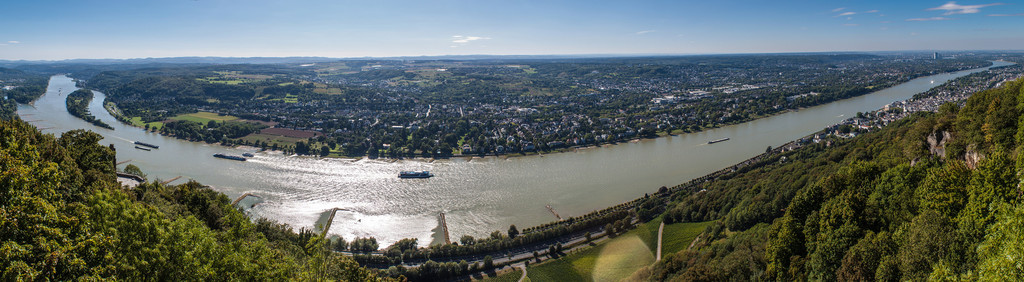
x=64 y=217
x=934 y=196
x=17 y=86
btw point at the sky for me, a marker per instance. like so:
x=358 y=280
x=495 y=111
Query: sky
x=77 y=29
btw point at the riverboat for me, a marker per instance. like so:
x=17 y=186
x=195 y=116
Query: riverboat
x=718 y=140
x=147 y=145
x=142 y=148
x=229 y=157
x=415 y=174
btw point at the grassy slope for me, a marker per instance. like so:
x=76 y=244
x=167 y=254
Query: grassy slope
x=678 y=236
x=648 y=232
x=508 y=276
x=610 y=260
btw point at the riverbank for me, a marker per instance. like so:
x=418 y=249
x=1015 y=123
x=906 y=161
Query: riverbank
x=478 y=195
x=569 y=147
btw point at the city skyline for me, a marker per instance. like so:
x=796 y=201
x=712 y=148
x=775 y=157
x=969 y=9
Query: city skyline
x=123 y=29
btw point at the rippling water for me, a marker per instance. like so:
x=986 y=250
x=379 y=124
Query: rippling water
x=478 y=195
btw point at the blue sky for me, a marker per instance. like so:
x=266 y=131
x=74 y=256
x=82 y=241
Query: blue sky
x=164 y=28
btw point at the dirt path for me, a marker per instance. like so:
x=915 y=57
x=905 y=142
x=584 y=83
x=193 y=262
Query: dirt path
x=661 y=229
x=523 y=267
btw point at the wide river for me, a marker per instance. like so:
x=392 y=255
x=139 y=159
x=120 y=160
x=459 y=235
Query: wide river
x=478 y=195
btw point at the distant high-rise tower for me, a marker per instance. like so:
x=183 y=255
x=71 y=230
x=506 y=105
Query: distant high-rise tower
x=935 y=56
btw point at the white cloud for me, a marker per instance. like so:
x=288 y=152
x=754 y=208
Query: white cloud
x=872 y=11
x=929 y=19
x=466 y=39
x=846 y=14
x=1006 y=15
x=851 y=25
x=14 y=42
x=952 y=8
x=644 y=31
x=838 y=9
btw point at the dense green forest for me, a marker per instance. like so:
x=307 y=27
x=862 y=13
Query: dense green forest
x=64 y=217
x=935 y=196
x=77 y=104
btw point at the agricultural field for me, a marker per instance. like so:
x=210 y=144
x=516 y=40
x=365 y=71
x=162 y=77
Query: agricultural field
x=272 y=139
x=288 y=98
x=321 y=88
x=648 y=232
x=678 y=236
x=137 y=121
x=205 y=117
x=234 y=78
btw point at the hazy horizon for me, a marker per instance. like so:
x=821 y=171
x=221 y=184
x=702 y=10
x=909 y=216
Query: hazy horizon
x=347 y=29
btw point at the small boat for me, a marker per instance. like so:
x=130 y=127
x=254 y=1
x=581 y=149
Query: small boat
x=142 y=148
x=248 y=155
x=415 y=174
x=718 y=140
x=229 y=157
x=147 y=145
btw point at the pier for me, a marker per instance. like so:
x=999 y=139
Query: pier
x=330 y=220
x=172 y=180
x=123 y=162
x=552 y=210
x=444 y=226
x=239 y=199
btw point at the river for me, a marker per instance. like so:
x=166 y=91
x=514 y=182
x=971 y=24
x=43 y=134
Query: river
x=478 y=195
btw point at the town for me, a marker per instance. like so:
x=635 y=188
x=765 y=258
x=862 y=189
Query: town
x=437 y=108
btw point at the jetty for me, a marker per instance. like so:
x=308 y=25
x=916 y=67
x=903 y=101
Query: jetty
x=239 y=199
x=330 y=220
x=552 y=210
x=172 y=180
x=444 y=226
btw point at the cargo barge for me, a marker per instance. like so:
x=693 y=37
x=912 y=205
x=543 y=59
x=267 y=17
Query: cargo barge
x=230 y=157
x=147 y=145
x=415 y=174
x=718 y=140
